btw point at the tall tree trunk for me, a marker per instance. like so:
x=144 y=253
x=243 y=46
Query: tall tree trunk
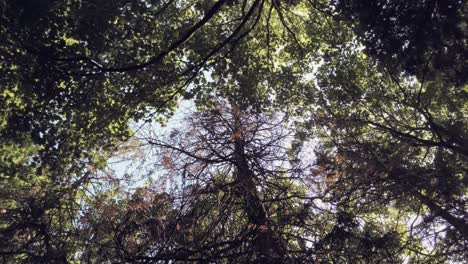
x=266 y=243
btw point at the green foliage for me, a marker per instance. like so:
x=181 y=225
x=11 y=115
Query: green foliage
x=422 y=38
x=380 y=85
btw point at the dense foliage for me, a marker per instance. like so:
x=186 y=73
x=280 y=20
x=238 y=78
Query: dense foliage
x=323 y=131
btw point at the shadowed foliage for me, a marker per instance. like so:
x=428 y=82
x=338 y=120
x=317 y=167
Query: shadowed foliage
x=322 y=131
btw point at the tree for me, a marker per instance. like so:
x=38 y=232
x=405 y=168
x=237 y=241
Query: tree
x=404 y=140
x=383 y=95
x=243 y=196
x=419 y=37
x=232 y=156
x=70 y=85
x=74 y=74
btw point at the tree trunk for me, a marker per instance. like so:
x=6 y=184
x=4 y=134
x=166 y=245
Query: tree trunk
x=266 y=243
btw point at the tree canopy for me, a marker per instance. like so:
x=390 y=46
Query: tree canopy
x=322 y=131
